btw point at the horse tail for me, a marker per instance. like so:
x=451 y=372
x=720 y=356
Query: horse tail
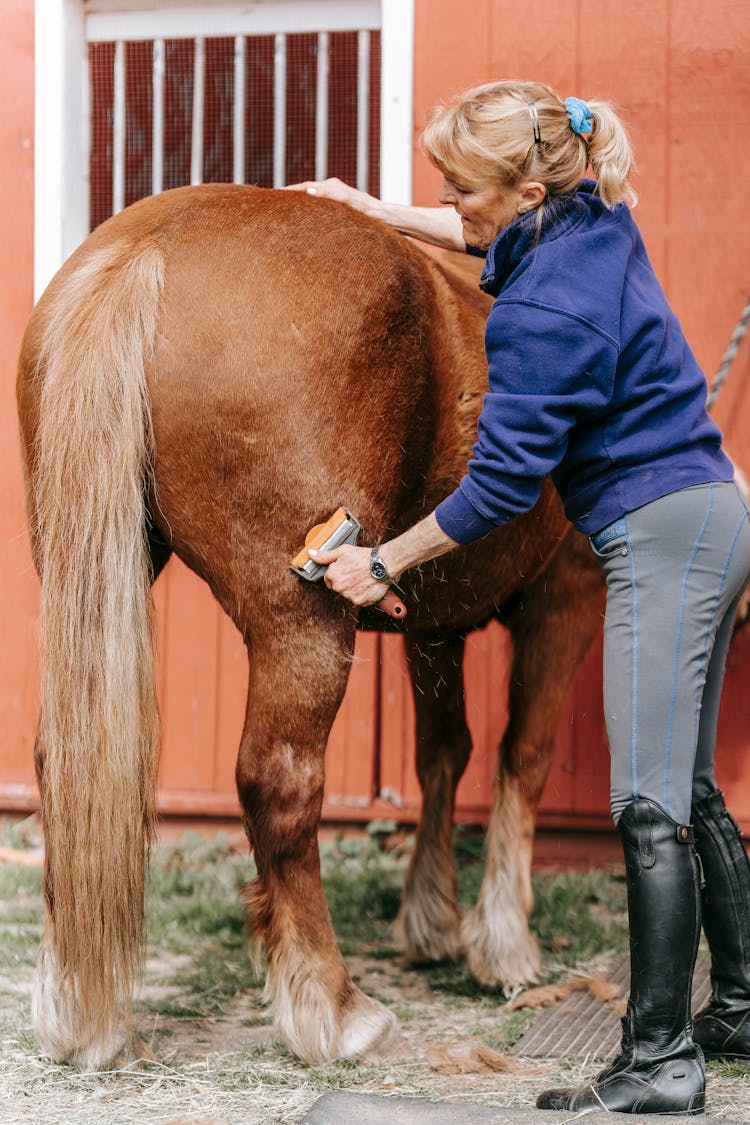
x=91 y=465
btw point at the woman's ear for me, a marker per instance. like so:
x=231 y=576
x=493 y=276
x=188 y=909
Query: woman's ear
x=532 y=193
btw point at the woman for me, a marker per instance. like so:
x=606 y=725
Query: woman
x=591 y=381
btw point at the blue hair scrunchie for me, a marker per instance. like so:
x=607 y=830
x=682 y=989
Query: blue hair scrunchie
x=579 y=116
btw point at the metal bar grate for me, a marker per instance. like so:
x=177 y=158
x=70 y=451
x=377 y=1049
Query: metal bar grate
x=238 y=112
x=199 y=102
x=157 y=136
x=279 y=111
x=321 y=108
x=118 y=143
x=363 y=102
x=263 y=109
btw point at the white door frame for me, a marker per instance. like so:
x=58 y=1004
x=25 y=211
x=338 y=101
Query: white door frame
x=61 y=156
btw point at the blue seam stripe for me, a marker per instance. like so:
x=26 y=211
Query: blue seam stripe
x=634 y=670
x=678 y=642
x=709 y=630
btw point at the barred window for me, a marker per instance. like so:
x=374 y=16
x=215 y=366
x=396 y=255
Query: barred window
x=259 y=109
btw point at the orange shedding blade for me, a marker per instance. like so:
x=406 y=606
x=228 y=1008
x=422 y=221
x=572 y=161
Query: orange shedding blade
x=319 y=535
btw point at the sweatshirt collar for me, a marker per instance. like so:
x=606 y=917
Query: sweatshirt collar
x=515 y=241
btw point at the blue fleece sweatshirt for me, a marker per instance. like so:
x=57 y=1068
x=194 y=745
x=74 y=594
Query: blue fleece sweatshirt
x=590 y=378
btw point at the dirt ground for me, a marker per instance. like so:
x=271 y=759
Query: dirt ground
x=216 y=1058
x=229 y=1070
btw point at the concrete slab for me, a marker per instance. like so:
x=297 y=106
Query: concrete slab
x=344 y=1108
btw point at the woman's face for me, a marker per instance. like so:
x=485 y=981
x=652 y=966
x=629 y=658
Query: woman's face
x=484 y=211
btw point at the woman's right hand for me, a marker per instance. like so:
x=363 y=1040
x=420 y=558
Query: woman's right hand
x=439 y=226
x=336 y=189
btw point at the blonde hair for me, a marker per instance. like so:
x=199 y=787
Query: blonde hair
x=504 y=133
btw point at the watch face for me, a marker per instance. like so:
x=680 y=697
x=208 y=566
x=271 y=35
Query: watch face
x=378 y=569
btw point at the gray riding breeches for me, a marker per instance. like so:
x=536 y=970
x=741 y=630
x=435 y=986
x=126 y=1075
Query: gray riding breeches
x=675 y=570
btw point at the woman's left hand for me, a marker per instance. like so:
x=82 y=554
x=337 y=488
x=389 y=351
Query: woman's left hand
x=349 y=574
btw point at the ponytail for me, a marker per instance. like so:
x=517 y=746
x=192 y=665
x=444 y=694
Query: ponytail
x=611 y=156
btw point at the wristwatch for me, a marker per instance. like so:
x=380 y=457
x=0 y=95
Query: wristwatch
x=378 y=569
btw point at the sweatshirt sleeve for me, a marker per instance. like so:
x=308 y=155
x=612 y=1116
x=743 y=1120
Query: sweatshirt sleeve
x=547 y=370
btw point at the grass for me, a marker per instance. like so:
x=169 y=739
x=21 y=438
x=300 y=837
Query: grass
x=578 y=916
x=201 y=1009
x=20 y=912
x=196 y=920
x=363 y=890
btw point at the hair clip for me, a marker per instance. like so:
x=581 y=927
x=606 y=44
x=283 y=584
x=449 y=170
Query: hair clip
x=534 y=113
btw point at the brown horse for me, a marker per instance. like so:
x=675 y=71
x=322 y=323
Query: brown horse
x=212 y=372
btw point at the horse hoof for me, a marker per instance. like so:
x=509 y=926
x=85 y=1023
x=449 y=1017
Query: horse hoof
x=395 y=1047
x=130 y=1054
x=502 y=963
x=134 y=1054
x=507 y=979
x=421 y=946
x=370 y=1032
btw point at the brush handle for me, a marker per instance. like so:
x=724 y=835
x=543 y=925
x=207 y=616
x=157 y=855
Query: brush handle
x=392 y=605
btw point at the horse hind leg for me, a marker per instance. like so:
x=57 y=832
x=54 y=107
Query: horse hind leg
x=501 y=951
x=428 y=925
x=297 y=682
x=552 y=630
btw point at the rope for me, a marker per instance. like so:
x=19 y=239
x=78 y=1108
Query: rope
x=729 y=354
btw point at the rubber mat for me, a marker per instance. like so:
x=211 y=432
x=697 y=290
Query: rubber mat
x=582 y=1026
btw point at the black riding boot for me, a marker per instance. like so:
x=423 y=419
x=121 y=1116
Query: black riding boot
x=723 y=1028
x=659 y=1069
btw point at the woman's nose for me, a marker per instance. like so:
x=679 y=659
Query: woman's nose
x=446 y=193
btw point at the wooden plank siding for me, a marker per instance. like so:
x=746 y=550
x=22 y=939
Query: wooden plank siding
x=18 y=589
x=679 y=71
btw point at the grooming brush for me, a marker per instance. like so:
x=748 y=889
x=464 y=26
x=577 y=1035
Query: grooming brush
x=342 y=527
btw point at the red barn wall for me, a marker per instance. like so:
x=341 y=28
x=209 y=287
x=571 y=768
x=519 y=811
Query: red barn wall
x=18 y=588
